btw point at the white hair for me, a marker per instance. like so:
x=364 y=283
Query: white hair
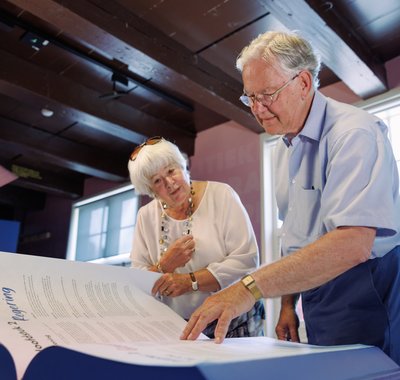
x=151 y=159
x=292 y=52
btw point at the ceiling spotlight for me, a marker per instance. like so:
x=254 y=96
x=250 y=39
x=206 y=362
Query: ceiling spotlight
x=36 y=42
x=47 y=113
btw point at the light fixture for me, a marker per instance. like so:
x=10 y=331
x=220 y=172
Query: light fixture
x=47 y=112
x=34 y=41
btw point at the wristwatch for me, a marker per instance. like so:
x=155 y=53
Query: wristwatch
x=249 y=282
x=195 y=285
x=158 y=266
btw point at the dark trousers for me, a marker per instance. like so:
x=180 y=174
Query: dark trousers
x=361 y=306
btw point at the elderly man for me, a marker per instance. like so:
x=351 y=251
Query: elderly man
x=337 y=190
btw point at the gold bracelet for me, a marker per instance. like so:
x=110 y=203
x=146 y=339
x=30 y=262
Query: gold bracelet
x=158 y=266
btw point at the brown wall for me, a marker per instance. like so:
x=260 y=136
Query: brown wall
x=230 y=153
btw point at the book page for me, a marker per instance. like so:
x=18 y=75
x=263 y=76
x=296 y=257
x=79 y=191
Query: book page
x=108 y=312
x=191 y=353
x=48 y=302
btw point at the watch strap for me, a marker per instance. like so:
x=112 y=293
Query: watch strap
x=195 y=285
x=250 y=284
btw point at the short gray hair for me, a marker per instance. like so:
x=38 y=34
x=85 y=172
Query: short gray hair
x=150 y=160
x=292 y=52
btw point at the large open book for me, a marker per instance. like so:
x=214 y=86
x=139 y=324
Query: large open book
x=68 y=320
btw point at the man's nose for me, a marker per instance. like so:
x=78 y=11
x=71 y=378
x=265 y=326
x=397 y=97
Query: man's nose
x=258 y=108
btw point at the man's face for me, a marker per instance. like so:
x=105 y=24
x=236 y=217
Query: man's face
x=284 y=113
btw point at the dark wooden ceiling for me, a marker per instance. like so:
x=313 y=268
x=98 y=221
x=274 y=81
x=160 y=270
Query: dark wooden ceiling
x=116 y=72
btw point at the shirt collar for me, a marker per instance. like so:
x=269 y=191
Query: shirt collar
x=314 y=124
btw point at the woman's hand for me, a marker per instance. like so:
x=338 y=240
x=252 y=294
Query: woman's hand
x=172 y=285
x=178 y=254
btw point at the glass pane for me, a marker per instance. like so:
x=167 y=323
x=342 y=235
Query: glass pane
x=395 y=135
x=91 y=218
x=391 y=117
x=125 y=240
x=96 y=221
x=123 y=209
x=128 y=216
x=89 y=248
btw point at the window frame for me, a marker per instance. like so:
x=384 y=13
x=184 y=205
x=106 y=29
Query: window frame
x=122 y=259
x=385 y=103
x=270 y=241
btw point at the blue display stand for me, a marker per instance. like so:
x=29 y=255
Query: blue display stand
x=9 y=234
x=361 y=364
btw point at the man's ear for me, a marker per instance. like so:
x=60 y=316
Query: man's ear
x=306 y=83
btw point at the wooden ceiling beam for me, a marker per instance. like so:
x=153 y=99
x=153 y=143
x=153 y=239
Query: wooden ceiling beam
x=355 y=67
x=357 y=70
x=24 y=80
x=117 y=69
x=54 y=186
x=61 y=152
x=108 y=28
x=40 y=180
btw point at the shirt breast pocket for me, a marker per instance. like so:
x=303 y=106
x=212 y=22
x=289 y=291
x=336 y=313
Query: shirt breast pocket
x=306 y=212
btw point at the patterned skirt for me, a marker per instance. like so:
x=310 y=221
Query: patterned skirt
x=245 y=325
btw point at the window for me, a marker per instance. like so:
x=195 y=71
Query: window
x=392 y=119
x=387 y=107
x=102 y=227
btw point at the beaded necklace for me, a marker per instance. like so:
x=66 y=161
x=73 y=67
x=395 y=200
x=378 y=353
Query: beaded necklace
x=164 y=240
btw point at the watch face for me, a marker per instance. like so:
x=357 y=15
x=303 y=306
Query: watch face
x=247 y=280
x=195 y=286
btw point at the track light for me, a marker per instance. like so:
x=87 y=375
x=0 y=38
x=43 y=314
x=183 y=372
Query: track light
x=34 y=40
x=47 y=112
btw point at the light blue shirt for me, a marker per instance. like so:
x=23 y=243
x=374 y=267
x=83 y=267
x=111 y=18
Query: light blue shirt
x=338 y=171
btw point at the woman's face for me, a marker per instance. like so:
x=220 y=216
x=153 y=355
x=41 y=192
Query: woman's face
x=171 y=185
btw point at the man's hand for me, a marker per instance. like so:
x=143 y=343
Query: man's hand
x=224 y=306
x=287 y=327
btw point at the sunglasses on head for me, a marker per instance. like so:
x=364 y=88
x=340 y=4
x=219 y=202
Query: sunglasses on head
x=151 y=141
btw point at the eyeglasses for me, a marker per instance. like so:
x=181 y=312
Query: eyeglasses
x=151 y=141
x=264 y=99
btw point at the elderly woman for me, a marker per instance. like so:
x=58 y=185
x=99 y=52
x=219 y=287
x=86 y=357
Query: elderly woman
x=197 y=233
